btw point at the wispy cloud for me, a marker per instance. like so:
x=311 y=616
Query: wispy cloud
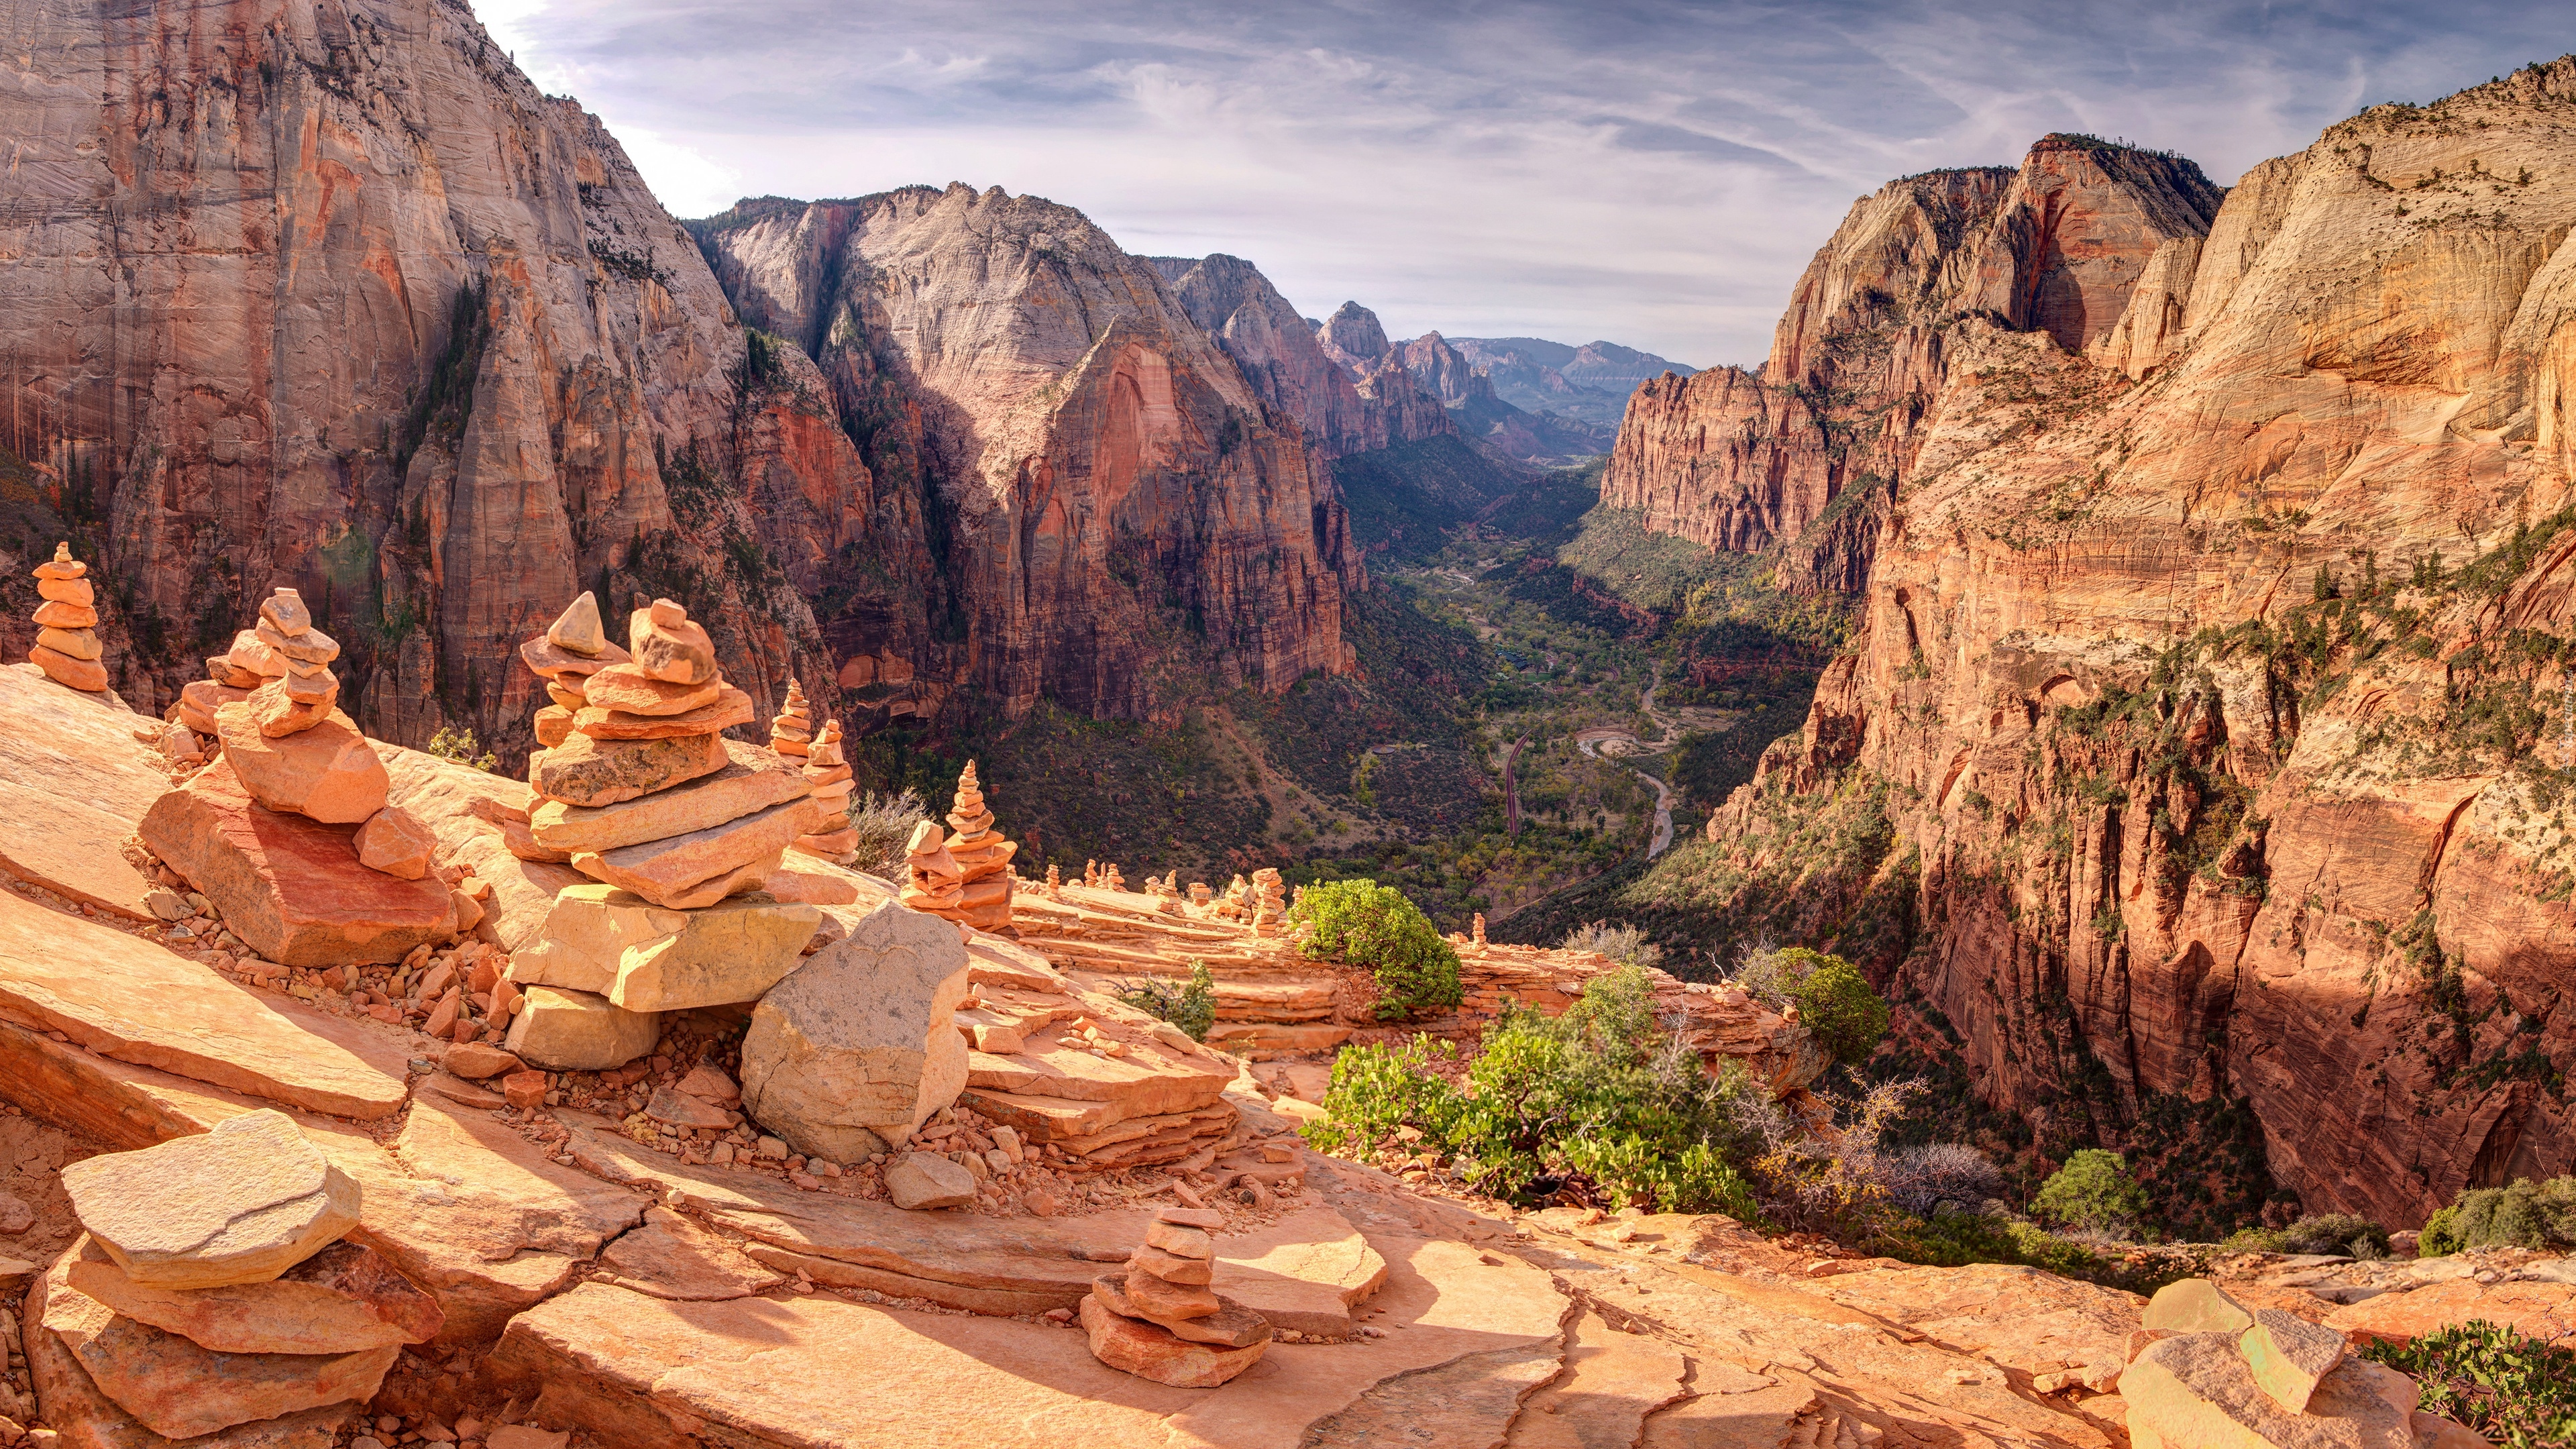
x=1650 y=171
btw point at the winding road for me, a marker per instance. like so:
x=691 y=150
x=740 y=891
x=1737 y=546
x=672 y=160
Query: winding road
x=1586 y=740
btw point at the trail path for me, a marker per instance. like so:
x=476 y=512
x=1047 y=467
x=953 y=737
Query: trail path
x=1588 y=740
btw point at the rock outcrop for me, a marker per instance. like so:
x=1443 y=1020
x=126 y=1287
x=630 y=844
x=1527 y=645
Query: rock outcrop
x=1093 y=463
x=1803 y=454
x=2210 y=684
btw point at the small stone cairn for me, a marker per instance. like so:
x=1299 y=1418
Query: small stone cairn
x=1160 y=1320
x=212 y=1289
x=833 y=837
x=966 y=878
x=1054 y=884
x=1269 y=902
x=67 y=647
x=791 y=730
x=1110 y=879
x=572 y=649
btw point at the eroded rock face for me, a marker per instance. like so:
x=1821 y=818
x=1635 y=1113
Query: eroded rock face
x=2221 y=866
x=462 y=367
x=1738 y=460
x=1079 y=436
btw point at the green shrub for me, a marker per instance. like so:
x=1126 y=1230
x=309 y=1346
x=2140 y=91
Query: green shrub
x=2441 y=1235
x=1602 y=1091
x=2523 y=1215
x=1622 y=943
x=2094 y=1191
x=2519 y=1392
x=2344 y=1233
x=1366 y=924
x=1838 y=1009
x=1192 y=1007
x=460 y=747
x=1834 y=1000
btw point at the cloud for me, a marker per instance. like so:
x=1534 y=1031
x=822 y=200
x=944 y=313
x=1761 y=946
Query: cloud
x=1655 y=172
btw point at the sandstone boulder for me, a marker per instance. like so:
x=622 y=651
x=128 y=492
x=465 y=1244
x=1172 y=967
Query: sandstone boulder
x=2195 y=1391
x=576 y=1031
x=240 y=1204
x=329 y=772
x=858 y=1048
x=2195 y=1305
x=292 y=887
x=343 y=1299
x=922 y=1180
x=585 y=771
x=733 y=951
x=2289 y=1355
x=752 y=780
x=393 y=842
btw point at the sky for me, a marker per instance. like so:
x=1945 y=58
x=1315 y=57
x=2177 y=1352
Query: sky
x=1652 y=172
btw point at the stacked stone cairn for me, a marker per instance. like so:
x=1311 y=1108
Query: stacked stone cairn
x=678 y=827
x=833 y=837
x=1110 y=879
x=212 y=1289
x=1269 y=902
x=1160 y=1320
x=67 y=647
x=1054 y=884
x=791 y=730
x=966 y=878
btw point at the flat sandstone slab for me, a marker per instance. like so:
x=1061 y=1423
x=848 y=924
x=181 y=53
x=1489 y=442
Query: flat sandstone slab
x=289 y=886
x=131 y=1000
x=73 y=782
x=754 y=780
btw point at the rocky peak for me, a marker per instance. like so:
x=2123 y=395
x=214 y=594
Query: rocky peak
x=2076 y=228
x=1288 y=366
x=1059 y=406
x=1353 y=331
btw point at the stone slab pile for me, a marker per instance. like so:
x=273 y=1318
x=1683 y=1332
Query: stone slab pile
x=289 y=833
x=831 y=836
x=67 y=646
x=211 y=1289
x=2207 y=1371
x=968 y=877
x=677 y=827
x=791 y=730
x=1160 y=1320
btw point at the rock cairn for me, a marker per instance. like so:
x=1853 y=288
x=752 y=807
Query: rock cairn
x=1091 y=874
x=212 y=1289
x=1054 y=884
x=832 y=836
x=287 y=742
x=1476 y=931
x=791 y=730
x=1269 y=901
x=966 y=878
x=67 y=647
x=1160 y=1320
x=573 y=648
x=1110 y=879
x=679 y=829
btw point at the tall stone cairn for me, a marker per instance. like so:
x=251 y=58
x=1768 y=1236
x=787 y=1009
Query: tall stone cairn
x=832 y=837
x=652 y=721
x=791 y=730
x=67 y=647
x=968 y=879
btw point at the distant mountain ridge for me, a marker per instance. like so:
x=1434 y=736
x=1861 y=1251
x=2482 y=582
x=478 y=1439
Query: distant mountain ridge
x=1589 y=384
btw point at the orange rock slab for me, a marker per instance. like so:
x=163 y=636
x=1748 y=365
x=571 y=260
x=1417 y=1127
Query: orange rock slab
x=293 y=888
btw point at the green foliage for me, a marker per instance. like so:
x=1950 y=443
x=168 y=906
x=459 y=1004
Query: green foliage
x=1191 y=1007
x=2344 y=1233
x=1622 y=943
x=460 y=746
x=1362 y=923
x=1952 y=1240
x=1838 y=1009
x=1601 y=1095
x=2519 y=1392
x=2523 y=1215
x=2093 y=1191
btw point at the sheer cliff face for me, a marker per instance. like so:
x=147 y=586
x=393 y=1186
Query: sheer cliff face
x=1286 y=365
x=327 y=295
x=1113 y=519
x=1741 y=461
x=2218 y=680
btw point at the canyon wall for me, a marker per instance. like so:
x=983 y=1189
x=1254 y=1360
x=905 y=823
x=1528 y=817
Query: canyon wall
x=1344 y=409
x=1116 y=519
x=1802 y=455
x=325 y=294
x=2214 y=691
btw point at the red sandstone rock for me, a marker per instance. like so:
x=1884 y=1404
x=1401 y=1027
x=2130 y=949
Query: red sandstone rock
x=587 y=771
x=292 y=888
x=1150 y=1351
x=328 y=772
x=393 y=842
